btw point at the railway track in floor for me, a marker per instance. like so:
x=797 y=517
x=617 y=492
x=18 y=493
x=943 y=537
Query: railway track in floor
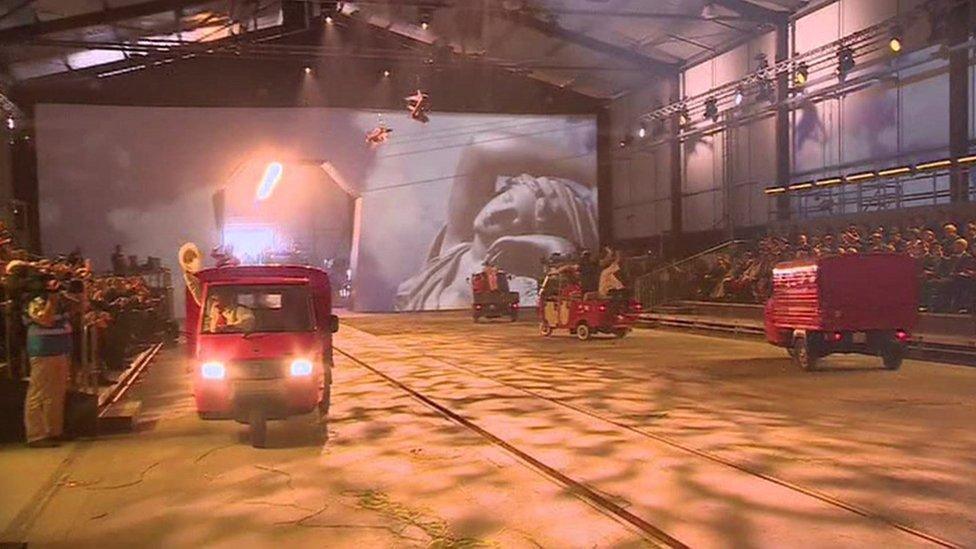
x=592 y=497
x=602 y=503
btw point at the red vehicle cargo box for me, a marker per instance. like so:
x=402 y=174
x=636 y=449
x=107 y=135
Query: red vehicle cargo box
x=845 y=293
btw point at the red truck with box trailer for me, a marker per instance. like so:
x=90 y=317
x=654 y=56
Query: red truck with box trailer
x=858 y=303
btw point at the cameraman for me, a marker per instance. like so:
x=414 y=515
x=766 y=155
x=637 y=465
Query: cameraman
x=49 y=342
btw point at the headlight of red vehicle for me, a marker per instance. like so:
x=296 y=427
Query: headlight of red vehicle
x=213 y=370
x=301 y=367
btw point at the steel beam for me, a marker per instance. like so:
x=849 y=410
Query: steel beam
x=959 y=90
x=604 y=176
x=783 y=144
x=103 y=17
x=553 y=30
x=754 y=12
x=676 y=155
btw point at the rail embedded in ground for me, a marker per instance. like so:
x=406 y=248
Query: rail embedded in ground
x=128 y=378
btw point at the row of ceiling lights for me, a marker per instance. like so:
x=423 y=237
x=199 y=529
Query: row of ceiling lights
x=888 y=173
x=386 y=72
x=425 y=15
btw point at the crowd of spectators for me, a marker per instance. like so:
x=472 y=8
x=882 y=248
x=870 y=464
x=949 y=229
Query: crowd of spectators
x=123 y=309
x=945 y=255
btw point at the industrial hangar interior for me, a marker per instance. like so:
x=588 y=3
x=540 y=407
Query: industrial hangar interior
x=488 y=273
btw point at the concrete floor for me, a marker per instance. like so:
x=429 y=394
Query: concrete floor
x=716 y=442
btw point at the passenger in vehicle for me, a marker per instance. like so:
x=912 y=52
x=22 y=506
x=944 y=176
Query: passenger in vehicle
x=589 y=271
x=610 y=283
x=225 y=315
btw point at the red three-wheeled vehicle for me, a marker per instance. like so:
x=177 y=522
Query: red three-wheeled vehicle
x=260 y=342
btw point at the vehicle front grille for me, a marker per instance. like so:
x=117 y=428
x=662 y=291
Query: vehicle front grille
x=257 y=369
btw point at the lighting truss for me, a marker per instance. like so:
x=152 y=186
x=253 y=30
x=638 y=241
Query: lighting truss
x=799 y=64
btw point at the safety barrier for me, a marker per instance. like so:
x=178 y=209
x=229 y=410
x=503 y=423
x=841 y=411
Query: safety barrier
x=666 y=283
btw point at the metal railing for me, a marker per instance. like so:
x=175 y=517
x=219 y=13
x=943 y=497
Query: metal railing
x=674 y=281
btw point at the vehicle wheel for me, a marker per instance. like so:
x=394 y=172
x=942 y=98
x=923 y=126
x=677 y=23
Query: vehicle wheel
x=620 y=332
x=545 y=329
x=892 y=356
x=583 y=332
x=323 y=410
x=259 y=428
x=803 y=355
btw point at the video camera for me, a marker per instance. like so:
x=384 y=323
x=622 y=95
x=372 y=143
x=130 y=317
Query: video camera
x=30 y=279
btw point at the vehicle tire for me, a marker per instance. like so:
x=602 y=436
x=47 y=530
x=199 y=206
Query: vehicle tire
x=323 y=409
x=803 y=355
x=582 y=331
x=619 y=333
x=259 y=427
x=892 y=356
x=545 y=329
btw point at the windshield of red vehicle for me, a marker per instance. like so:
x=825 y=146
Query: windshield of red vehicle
x=251 y=308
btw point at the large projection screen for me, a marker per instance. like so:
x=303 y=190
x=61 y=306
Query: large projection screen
x=432 y=204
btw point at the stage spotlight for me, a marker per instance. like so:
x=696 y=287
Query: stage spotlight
x=894 y=42
x=845 y=62
x=739 y=97
x=308 y=70
x=657 y=127
x=684 y=117
x=711 y=109
x=642 y=131
x=625 y=142
x=762 y=62
x=386 y=73
x=766 y=91
x=424 y=16
x=709 y=11
x=329 y=20
x=800 y=74
x=11 y=124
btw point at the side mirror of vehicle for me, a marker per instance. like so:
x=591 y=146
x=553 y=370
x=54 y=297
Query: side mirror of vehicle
x=333 y=323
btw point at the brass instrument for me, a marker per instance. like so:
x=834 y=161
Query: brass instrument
x=191 y=261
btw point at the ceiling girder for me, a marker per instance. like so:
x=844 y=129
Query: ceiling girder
x=103 y=17
x=754 y=12
x=553 y=30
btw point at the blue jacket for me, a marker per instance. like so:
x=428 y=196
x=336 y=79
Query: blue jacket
x=51 y=340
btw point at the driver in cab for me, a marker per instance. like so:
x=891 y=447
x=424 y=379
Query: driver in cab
x=225 y=315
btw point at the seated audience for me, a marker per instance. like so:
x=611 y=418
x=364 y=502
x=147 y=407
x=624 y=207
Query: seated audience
x=945 y=255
